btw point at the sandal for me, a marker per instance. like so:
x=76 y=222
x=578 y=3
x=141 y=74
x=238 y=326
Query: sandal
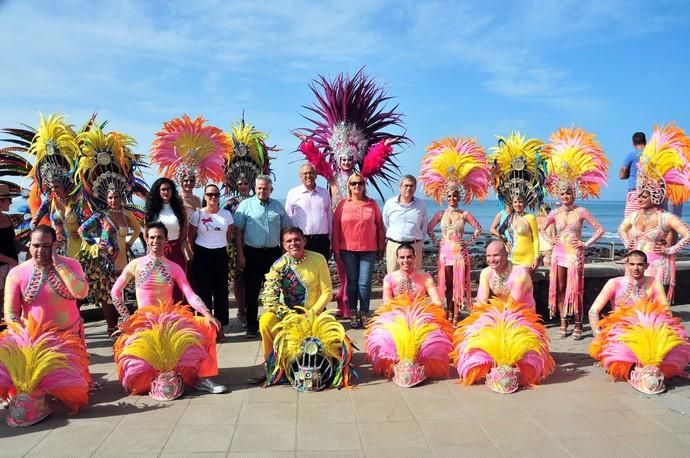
x=354 y=322
x=577 y=332
x=364 y=319
x=563 y=330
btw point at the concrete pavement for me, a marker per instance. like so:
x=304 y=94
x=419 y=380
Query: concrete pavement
x=576 y=412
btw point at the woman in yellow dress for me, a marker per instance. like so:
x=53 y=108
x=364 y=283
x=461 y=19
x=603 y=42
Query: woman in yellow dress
x=525 y=235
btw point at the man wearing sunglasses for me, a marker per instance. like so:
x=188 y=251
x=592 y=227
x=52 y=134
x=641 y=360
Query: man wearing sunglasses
x=259 y=220
x=309 y=208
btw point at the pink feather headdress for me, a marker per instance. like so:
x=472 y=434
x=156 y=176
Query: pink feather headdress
x=455 y=163
x=186 y=147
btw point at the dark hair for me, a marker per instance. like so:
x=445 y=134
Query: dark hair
x=154 y=203
x=638 y=253
x=203 y=199
x=156 y=225
x=408 y=177
x=291 y=230
x=639 y=138
x=405 y=246
x=45 y=229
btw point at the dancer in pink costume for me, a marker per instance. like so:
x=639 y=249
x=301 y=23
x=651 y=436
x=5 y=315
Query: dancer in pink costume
x=47 y=286
x=408 y=282
x=154 y=277
x=627 y=290
x=504 y=280
x=348 y=134
x=576 y=167
x=662 y=173
x=455 y=168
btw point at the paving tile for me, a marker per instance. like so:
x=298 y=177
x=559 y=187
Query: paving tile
x=150 y=412
x=84 y=436
x=342 y=395
x=325 y=412
x=609 y=447
x=136 y=439
x=187 y=455
x=658 y=445
x=266 y=438
x=200 y=439
x=542 y=448
x=570 y=426
x=673 y=421
x=391 y=435
x=18 y=442
x=437 y=409
x=479 y=450
x=327 y=436
x=596 y=401
x=507 y=428
x=382 y=390
x=627 y=422
x=412 y=452
x=537 y=401
x=273 y=454
x=330 y=453
x=494 y=404
x=210 y=414
x=279 y=393
x=265 y=413
x=638 y=401
x=452 y=433
x=437 y=390
x=236 y=395
x=381 y=411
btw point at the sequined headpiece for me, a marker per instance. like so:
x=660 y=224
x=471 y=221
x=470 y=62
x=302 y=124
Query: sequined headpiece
x=249 y=157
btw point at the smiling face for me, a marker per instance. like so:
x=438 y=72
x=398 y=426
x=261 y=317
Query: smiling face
x=645 y=200
x=356 y=186
x=453 y=198
x=307 y=175
x=263 y=190
x=567 y=197
x=155 y=241
x=407 y=189
x=166 y=192
x=212 y=195
x=114 y=200
x=406 y=258
x=293 y=244
x=346 y=163
x=242 y=185
x=41 y=248
x=518 y=204
x=636 y=266
x=188 y=183
x=497 y=256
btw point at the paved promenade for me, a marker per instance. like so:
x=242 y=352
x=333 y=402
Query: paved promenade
x=577 y=412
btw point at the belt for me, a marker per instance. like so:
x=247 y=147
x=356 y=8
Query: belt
x=400 y=243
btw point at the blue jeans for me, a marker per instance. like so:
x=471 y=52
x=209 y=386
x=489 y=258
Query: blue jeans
x=359 y=268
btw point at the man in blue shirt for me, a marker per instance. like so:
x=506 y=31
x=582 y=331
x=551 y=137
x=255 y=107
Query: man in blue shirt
x=259 y=220
x=629 y=172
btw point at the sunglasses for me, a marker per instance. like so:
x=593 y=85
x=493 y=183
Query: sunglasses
x=212 y=194
x=356 y=183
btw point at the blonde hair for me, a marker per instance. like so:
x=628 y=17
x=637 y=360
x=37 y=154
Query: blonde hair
x=349 y=180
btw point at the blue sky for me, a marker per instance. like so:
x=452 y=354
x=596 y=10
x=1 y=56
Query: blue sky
x=469 y=68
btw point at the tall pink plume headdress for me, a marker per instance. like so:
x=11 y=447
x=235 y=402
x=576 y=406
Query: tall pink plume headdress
x=37 y=359
x=575 y=161
x=186 y=147
x=505 y=343
x=350 y=121
x=410 y=340
x=664 y=167
x=455 y=163
x=161 y=348
x=643 y=344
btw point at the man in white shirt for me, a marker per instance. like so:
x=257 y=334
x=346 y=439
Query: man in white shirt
x=309 y=208
x=406 y=221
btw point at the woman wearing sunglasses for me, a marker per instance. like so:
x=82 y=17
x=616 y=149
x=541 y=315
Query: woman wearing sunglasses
x=211 y=231
x=358 y=235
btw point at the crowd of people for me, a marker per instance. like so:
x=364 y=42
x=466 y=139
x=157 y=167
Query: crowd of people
x=275 y=255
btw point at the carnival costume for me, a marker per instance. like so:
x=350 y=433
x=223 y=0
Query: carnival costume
x=519 y=172
x=505 y=343
x=410 y=340
x=411 y=285
x=515 y=283
x=664 y=173
x=643 y=344
x=455 y=165
x=576 y=163
x=163 y=347
x=38 y=360
x=350 y=121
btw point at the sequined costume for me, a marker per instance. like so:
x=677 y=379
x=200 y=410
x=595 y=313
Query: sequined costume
x=515 y=283
x=154 y=279
x=525 y=236
x=399 y=283
x=47 y=293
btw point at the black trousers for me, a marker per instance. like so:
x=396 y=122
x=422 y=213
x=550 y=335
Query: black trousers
x=210 y=279
x=319 y=243
x=258 y=263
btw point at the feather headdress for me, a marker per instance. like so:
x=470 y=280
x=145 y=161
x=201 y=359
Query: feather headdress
x=664 y=166
x=518 y=169
x=505 y=335
x=36 y=358
x=158 y=339
x=410 y=332
x=186 y=147
x=310 y=333
x=575 y=161
x=455 y=164
x=638 y=336
x=350 y=118
x=249 y=156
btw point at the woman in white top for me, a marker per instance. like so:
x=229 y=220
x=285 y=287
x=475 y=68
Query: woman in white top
x=211 y=230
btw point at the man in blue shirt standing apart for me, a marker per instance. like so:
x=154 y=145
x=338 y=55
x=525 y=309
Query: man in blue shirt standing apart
x=259 y=220
x=629 y=172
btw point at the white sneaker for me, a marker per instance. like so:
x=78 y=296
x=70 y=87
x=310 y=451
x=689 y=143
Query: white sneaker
x=208 y=385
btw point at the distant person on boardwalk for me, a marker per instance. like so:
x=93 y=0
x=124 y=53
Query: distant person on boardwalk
x=629 y=172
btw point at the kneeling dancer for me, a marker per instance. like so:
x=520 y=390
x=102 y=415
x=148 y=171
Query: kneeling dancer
x=160 y=334
x=301 y=340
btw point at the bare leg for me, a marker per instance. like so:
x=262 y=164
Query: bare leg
x=451 y=307
x=561 y=284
